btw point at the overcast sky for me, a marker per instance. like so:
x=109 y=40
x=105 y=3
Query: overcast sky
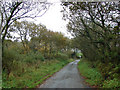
x=52 y=19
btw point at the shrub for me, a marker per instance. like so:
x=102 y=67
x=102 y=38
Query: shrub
x=61 y=56
x=33 y=56
x=39 y=56
x=9 y=56
x=115 y=83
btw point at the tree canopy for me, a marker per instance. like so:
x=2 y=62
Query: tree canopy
x=96 y=28
x=11 y=11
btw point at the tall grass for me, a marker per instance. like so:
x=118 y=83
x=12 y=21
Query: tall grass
x=27 y=70
x=32 y=74
x=94 y=76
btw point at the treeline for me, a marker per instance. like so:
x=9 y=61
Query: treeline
x=96 y=28
x=30 y=52
x=29 y=49
x=30 y=38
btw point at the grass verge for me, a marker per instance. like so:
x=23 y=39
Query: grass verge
x=33 y=75
x=94 y=78
x=92 y=75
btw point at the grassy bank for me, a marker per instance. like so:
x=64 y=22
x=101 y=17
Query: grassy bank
x=27 y=69
x=0 y=81
x=33 y=75
x=94 y=77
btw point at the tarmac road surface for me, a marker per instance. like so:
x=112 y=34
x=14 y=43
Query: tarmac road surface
x=68 y=77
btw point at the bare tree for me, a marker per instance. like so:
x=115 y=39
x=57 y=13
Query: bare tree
x=13 y=10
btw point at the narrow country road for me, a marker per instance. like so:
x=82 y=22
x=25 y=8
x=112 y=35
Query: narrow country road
x=68 y=77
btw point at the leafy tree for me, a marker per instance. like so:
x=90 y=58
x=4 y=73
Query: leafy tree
x=10 y=11
x=88 y=23
x=22 y=29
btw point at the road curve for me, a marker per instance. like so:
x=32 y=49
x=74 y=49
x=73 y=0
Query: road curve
x=68 y=77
